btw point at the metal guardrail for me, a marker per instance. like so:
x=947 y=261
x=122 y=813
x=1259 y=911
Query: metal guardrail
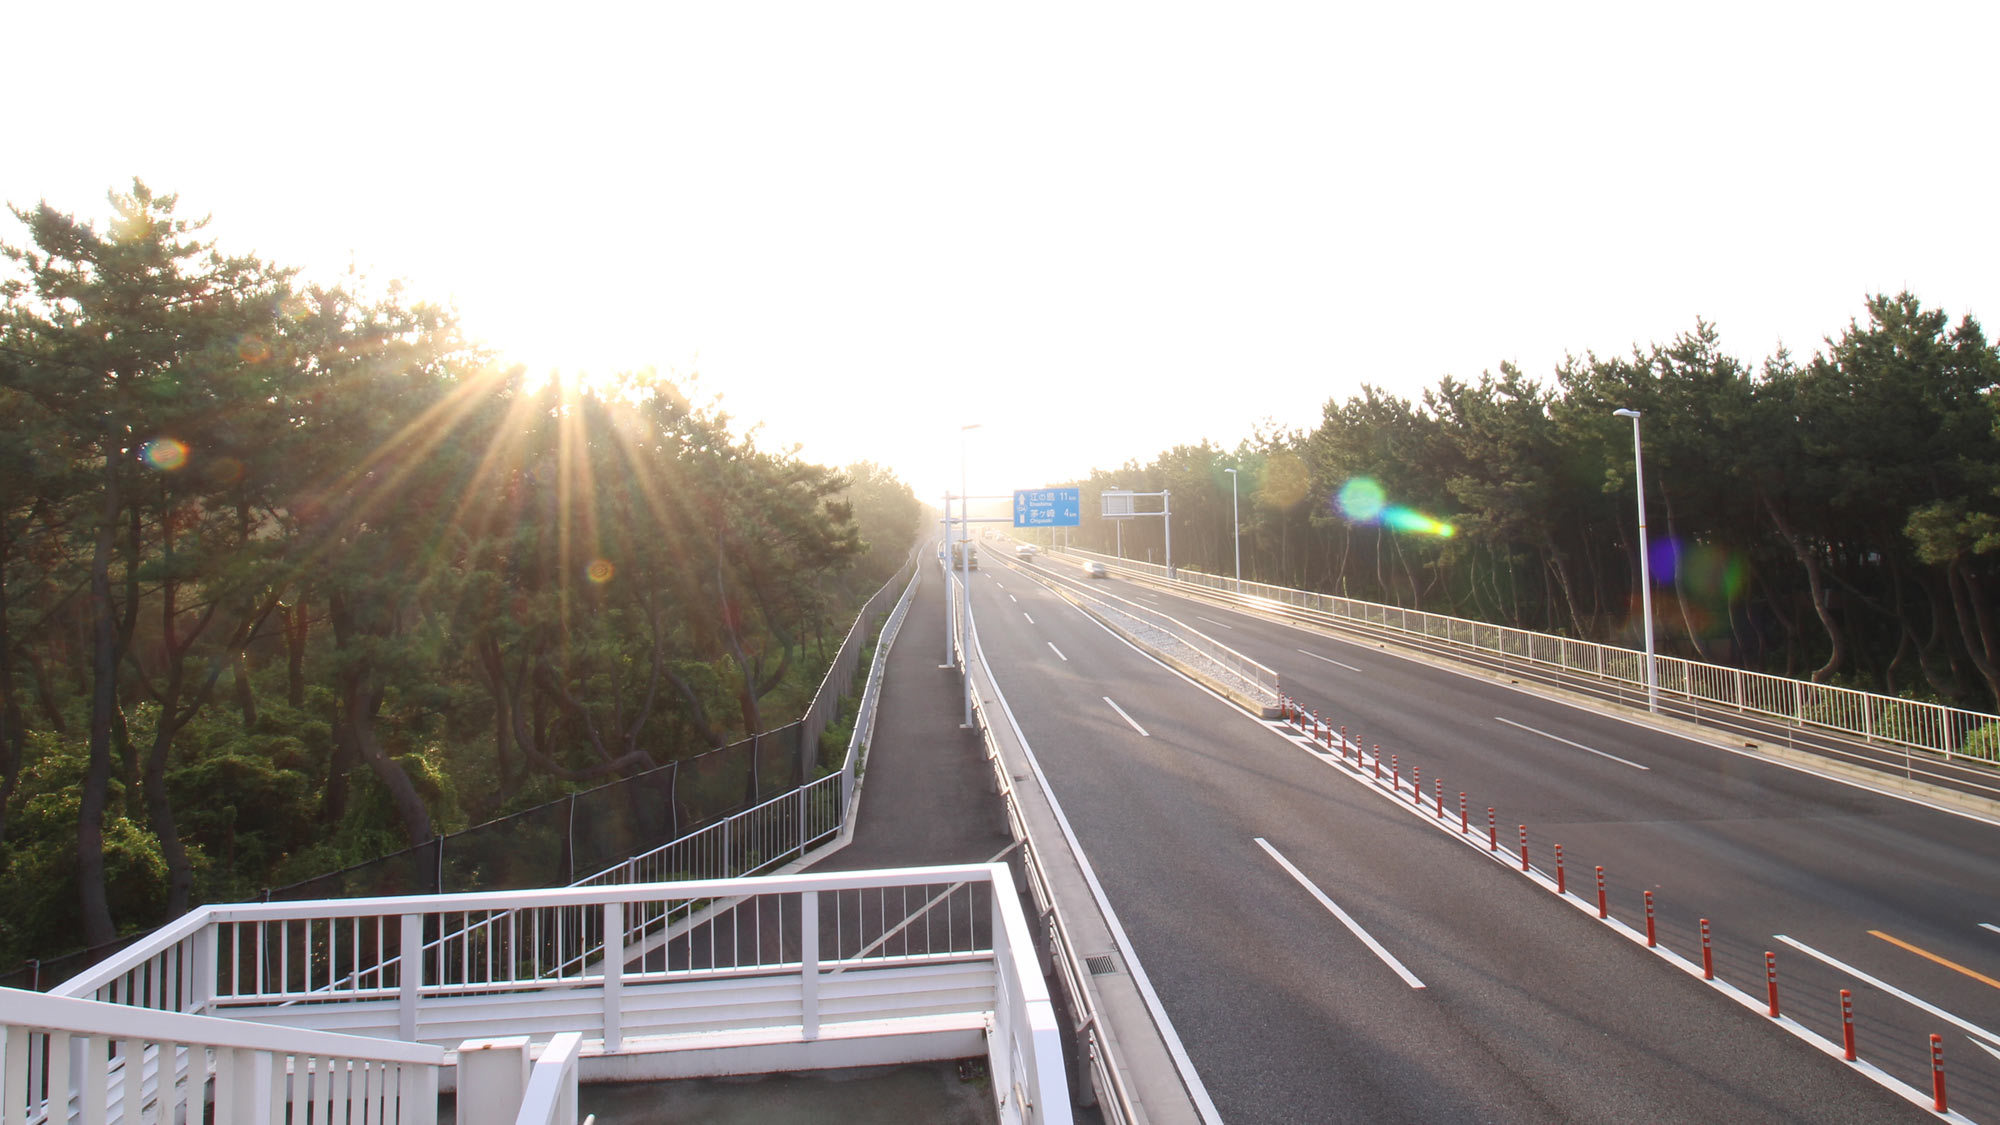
x=1105 y=1074
x=1947 y=731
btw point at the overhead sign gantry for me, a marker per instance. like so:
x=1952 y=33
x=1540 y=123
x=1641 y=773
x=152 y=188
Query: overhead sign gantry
x=1048 y=507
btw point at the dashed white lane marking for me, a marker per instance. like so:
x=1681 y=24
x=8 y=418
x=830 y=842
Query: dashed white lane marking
x=1567 y=742
x=1057 y=651
x=1329 y=660
x=1127 y=718
x=1368 y=940
x=1213 y=621
x=1024 y=613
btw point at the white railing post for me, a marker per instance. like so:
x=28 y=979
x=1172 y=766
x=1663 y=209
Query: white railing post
x=614 y=975
x=93 y=1087
x=492 y=1078
x=809 y=964
x=419 y=1091
x=410 y=979
x=14 y=1101
x=200 y=967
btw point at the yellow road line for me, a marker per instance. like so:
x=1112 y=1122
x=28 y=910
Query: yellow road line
x=1929 y=956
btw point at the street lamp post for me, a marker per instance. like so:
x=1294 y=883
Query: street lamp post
x=964 y=574
x=1645 y=562
x=1235 y=529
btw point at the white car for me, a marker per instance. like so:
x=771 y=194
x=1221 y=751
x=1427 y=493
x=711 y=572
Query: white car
x=1095 y=569
x=1027 y=550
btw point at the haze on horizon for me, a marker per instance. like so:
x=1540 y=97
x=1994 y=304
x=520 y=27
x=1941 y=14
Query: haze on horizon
x=1096 y=232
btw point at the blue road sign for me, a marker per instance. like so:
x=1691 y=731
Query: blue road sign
x=1048 y=507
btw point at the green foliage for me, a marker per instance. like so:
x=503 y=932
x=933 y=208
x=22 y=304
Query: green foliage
x=1838 y=518
x=1982 y=742
x=364 y=585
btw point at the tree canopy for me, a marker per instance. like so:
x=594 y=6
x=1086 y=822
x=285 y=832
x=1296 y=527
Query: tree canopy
x=292 y=574
x=1837 y=518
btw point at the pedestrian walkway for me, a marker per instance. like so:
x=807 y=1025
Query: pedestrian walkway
x=927 y=792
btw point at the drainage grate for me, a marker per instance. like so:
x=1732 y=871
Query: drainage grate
x=1101 y=964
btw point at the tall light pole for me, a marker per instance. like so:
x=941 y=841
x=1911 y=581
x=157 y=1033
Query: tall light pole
x=964 y=574
x=1645 y=561
x=1235 y=529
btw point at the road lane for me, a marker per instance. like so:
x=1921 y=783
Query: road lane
x=1760 y=848
x=1531 y=1012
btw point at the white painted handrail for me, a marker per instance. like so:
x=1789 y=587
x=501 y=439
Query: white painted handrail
x=551 y=1094
x=63 y=1058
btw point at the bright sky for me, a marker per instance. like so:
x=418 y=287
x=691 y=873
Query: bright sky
x=1098 y=230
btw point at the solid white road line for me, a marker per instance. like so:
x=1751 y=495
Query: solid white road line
x=1213 y=621
x=1127 y=718
x=1057 y=651
x=1190 y=1078
x=1387 y=957
x=1567 y=742
x=1963 y=1025
x=1329 y=660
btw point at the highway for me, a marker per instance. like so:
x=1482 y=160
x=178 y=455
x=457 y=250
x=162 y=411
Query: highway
x=1329 y=953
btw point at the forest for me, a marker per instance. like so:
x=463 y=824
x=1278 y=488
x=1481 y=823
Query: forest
x=292 y=575
x=1836 y=519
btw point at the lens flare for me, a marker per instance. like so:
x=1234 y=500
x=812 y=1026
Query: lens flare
x=1398 y=518
x=1361 y=500
x=599 y=571
x=251 y=348
x=165 y=454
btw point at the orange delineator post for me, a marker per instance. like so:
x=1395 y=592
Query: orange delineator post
x=1847 y=1024
x=1937 y=1074
x=1771 y=979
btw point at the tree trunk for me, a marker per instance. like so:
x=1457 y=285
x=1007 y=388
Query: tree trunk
x=160 y=812
x=1975 y=624
x=1553 y=557
x=13 y=725
x=98 y=928
x=360 y=700
x=296 y=630
x=246 y=697
x=1816 y=587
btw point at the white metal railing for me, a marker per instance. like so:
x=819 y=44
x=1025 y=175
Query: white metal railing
x=786 y=826
x=1949 y=731
x=785 y=954
x=1106 y=1077
x=65 y=1059
x=551 y=1095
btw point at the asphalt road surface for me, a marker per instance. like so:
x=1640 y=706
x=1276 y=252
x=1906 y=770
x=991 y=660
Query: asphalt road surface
x=1328 y=952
